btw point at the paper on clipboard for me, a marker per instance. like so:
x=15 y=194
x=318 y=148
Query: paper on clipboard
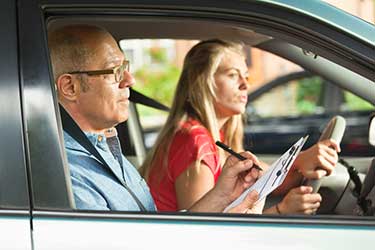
x=274 y=176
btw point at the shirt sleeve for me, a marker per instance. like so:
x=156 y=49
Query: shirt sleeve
x=188 y=147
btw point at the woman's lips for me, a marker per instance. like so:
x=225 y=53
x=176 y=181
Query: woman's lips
x=243 y=98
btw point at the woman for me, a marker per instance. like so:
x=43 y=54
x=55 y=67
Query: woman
x=209 y=101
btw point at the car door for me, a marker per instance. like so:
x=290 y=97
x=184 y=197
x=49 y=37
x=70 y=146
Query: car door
x=56 y=222
x=15 y=219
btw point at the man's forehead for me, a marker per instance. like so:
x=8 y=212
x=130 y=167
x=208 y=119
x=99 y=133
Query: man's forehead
x=112 y=60
x=109 y=53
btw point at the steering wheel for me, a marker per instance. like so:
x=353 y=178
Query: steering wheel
x=334 y=130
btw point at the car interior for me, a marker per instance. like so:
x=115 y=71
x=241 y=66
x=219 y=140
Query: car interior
x=340 y=190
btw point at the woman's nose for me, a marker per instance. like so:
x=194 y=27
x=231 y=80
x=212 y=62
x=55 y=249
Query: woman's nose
x=243 y=83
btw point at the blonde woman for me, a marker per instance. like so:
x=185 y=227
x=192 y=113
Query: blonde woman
x=209 y=101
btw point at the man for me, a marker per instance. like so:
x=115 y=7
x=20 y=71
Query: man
x=93 y=81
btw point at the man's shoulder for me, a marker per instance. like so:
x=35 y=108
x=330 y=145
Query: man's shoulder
x=71 y=144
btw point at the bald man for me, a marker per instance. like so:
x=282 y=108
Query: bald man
x=92 y=79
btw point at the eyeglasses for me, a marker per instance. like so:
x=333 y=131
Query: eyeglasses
x=117 y=71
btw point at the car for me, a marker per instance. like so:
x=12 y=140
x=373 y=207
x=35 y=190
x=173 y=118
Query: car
x=37 y=208
x=285 y=128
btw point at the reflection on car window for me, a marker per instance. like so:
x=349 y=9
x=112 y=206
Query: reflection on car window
x=291 y=99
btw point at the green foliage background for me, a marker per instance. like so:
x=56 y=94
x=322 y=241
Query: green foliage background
x=308 y=92
x=157 y=80
x=310 y=89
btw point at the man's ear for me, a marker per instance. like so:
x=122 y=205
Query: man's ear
x=68 y=87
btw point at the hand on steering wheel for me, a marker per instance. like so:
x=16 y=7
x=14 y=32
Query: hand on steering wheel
x=334 y=130
x=300 y=200
x=319 y=160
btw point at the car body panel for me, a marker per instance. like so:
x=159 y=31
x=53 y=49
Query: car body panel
x=191 y=232
x=41 y=114
x=12 y=153
x=15 y=231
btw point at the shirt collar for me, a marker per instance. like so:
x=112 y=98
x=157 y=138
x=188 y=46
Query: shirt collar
x=99 y=140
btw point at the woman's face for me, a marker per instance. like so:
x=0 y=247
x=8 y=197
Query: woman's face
x=231 y=85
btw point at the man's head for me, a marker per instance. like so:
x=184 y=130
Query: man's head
x=82 y=59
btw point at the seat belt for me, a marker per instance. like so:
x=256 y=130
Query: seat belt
x=71 y=127
x=139 y=98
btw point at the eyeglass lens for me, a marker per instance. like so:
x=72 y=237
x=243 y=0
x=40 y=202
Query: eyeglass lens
x=119 y=72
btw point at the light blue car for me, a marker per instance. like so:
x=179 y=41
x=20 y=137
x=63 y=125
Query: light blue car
x=36 y=206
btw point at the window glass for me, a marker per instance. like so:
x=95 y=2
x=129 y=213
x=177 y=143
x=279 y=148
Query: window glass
x=156 y=65
x=293 y=98
x=355 y=103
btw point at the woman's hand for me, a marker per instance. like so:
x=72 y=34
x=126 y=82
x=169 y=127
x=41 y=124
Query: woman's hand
x=319 y=160
x=300 y=200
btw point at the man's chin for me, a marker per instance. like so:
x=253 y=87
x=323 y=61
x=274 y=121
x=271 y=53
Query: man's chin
x=123 y=118
x=119 y=119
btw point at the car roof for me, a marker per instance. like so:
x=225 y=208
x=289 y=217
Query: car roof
x=331 y=15
x=316 y=9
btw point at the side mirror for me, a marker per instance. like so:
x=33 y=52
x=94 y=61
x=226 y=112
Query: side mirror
x=371 y=134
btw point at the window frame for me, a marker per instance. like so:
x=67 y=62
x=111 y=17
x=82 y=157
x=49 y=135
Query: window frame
x=13 y=182
x=35 y=21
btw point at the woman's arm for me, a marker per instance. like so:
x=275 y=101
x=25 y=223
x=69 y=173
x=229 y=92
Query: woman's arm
x=313 y=163
x=192 y=184
x=233 y=180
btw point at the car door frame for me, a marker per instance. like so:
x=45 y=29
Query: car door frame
x=15 y=220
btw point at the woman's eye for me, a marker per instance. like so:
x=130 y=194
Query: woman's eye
x=233 y=75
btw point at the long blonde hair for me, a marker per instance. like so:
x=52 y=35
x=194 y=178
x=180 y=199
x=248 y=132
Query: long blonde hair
x=194 y=97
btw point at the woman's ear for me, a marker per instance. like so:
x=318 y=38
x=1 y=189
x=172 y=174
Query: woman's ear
x=68 y=87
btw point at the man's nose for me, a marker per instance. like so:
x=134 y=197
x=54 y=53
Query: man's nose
x=127 y=81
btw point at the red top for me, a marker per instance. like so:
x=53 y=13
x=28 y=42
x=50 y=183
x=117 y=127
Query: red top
x=191 y=142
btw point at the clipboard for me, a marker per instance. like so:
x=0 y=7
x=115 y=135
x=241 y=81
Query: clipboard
x=274 y=176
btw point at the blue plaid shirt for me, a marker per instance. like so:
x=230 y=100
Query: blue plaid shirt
x=95 y=187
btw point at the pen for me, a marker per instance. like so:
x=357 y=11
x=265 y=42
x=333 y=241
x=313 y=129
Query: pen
x=240 y=157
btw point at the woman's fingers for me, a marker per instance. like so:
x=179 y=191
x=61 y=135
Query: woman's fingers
x=331 y=143
x=300 y=200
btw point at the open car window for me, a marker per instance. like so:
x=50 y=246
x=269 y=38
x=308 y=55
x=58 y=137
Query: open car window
x=162 y=58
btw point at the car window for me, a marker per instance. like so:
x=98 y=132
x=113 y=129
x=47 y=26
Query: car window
x=304 y=96
x=156 y=66
x=294 y=98
x=354 y=103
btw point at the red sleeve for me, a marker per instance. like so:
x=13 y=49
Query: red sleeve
x=190 y=145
